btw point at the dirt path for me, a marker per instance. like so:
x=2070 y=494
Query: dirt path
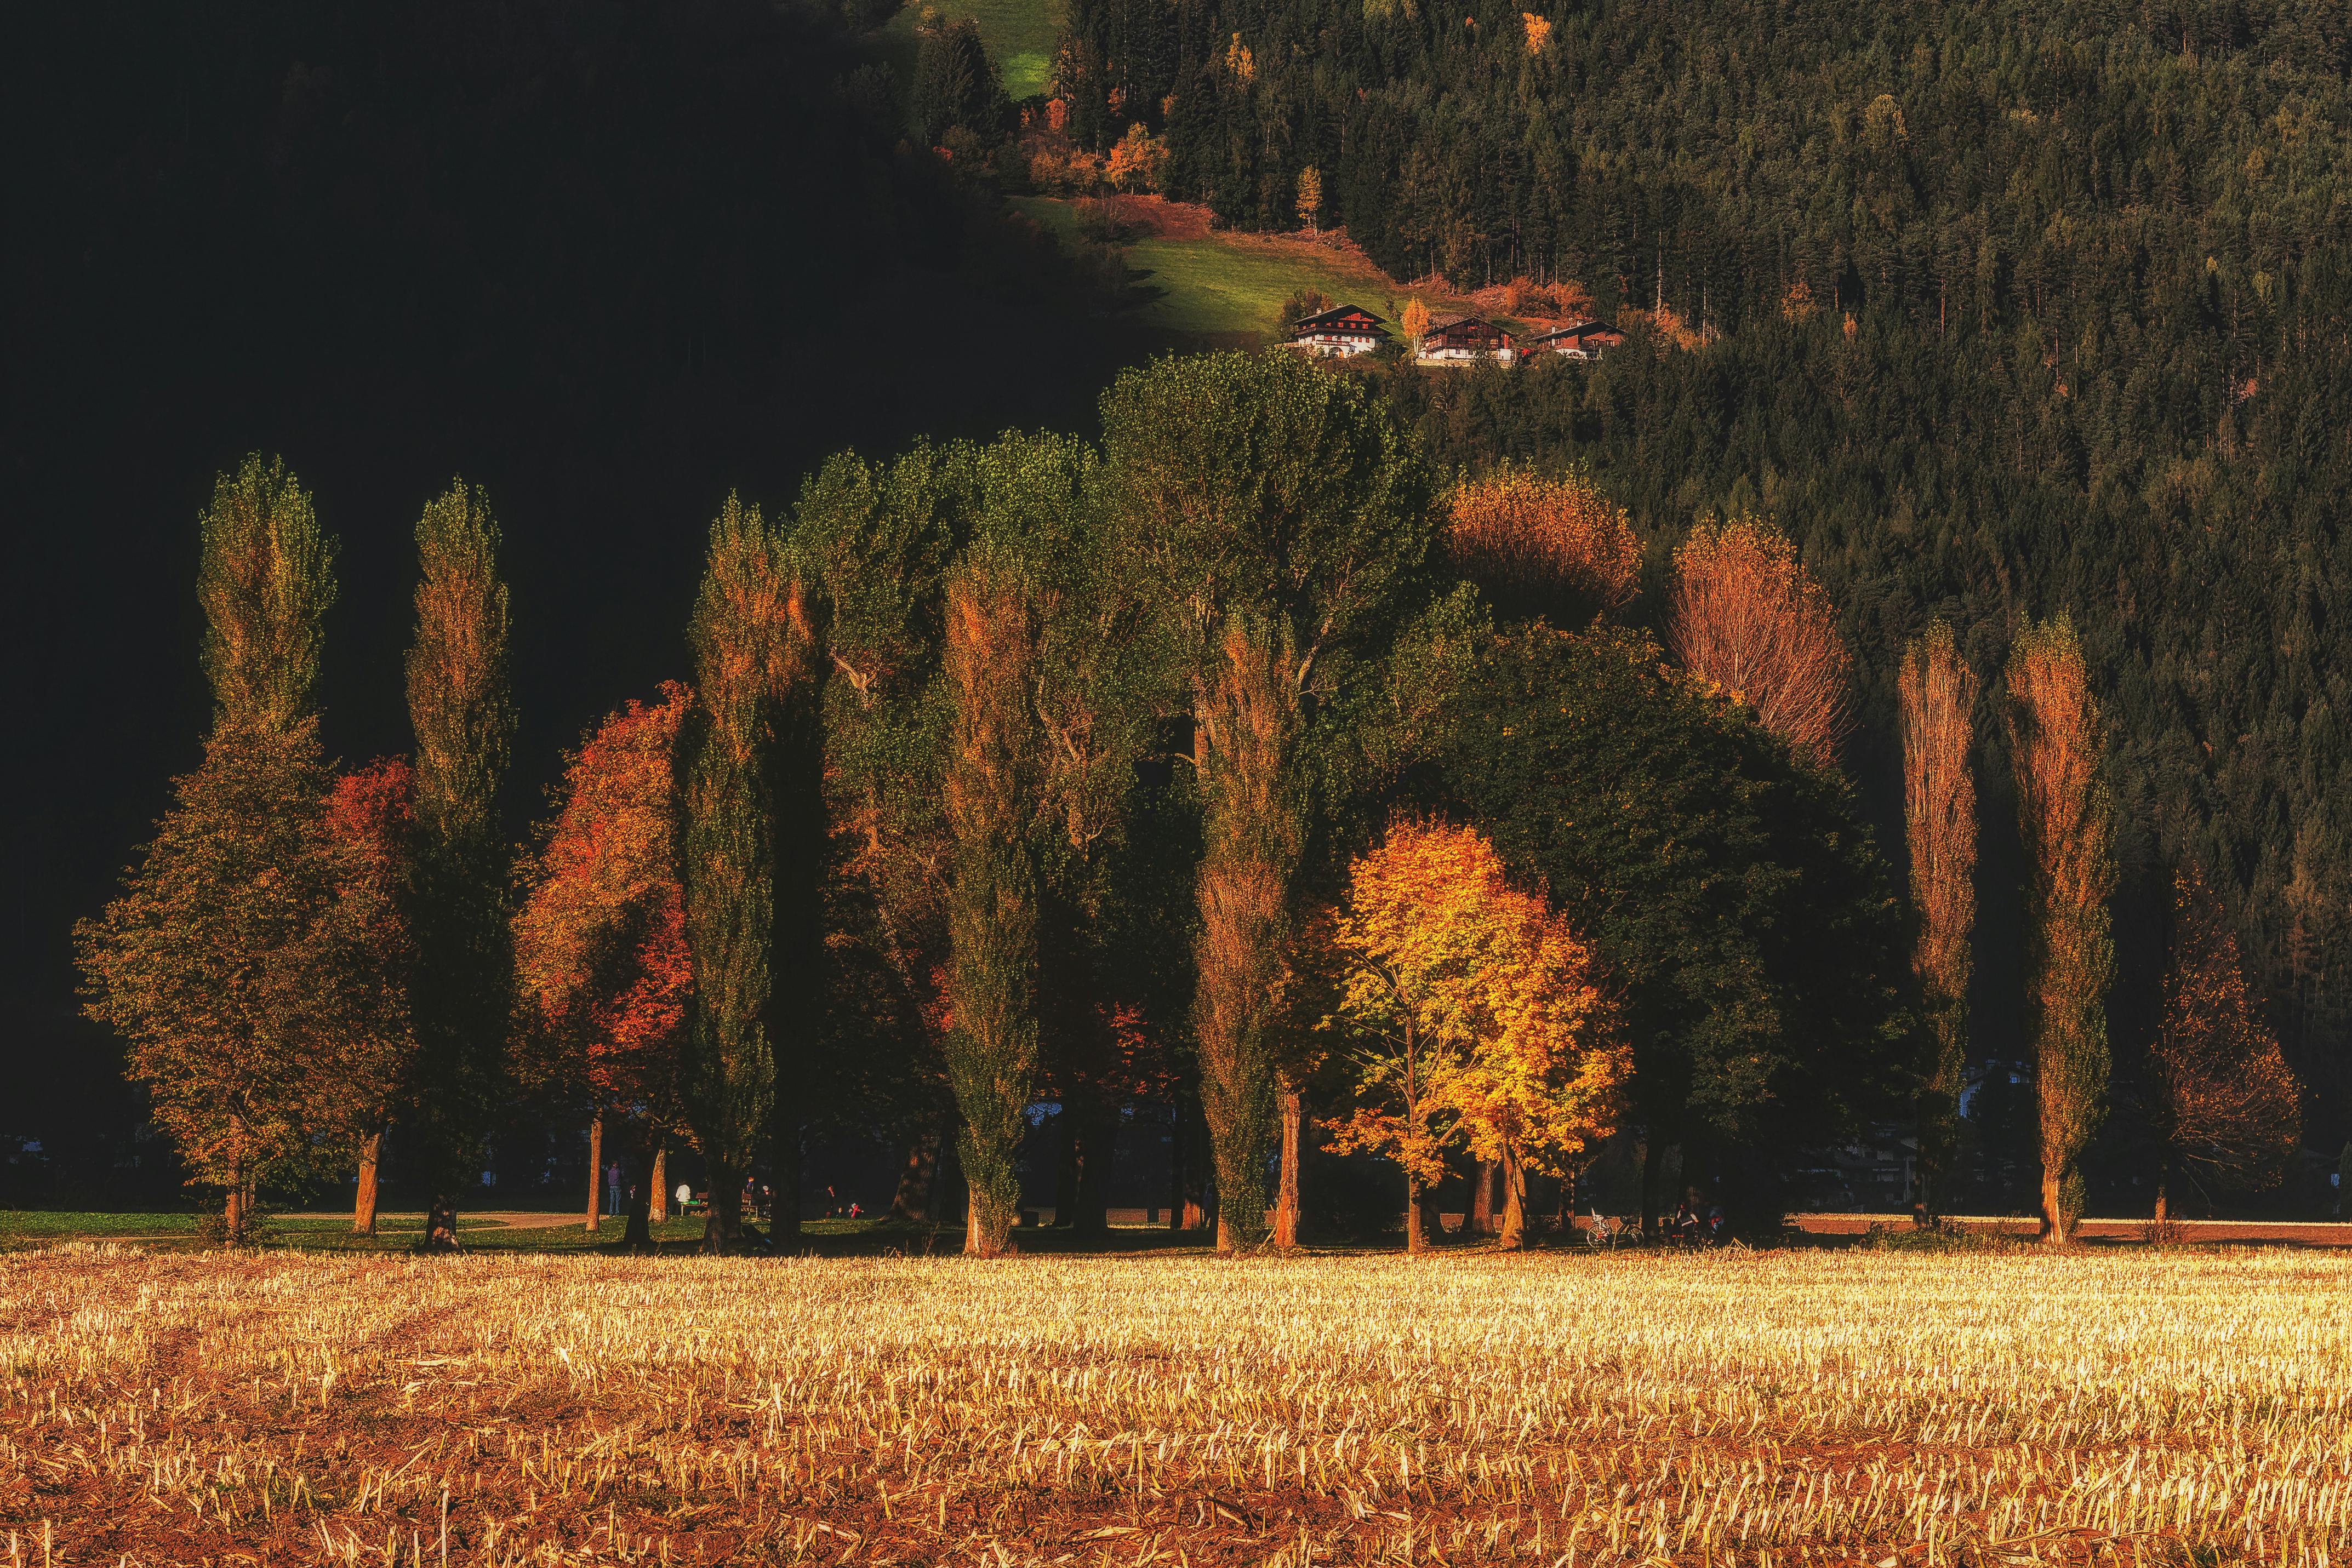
x=2312 y=1233
x=506 y=1218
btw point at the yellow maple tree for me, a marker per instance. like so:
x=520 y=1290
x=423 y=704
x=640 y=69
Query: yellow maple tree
x=1477 y=1015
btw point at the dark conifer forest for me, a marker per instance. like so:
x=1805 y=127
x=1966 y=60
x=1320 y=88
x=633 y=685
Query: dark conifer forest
x=2010 y=309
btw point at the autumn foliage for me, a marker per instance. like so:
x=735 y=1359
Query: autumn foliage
x=1940 y=818
x=1556 y=548
x=1480 y=1019
x=600 y=942
x=2229 y=1108
x=1745 y=613
x=2065 y=819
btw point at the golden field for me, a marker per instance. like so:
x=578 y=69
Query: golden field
x=1799 y=1406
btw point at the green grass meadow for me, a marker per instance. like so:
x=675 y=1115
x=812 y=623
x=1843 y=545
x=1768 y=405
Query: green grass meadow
x=1221 y=287
x=1020 y=35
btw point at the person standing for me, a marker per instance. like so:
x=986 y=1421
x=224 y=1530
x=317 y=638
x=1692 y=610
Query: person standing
x=613 y=1187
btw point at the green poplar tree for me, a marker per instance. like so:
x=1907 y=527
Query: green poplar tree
x=991 y=802
x=1285 y=524
x=755 y=652
x=460 y=707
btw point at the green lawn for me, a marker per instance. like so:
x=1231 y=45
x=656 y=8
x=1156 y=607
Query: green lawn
x=1220 y=285
x=1020 y=35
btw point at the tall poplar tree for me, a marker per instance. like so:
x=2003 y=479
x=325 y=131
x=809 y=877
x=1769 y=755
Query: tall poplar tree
x=460 y=707
x=991 y=799
x=755 y=649
x=2066 y=820
x=239 y=964
x=1283 y=523
x=1939 y=814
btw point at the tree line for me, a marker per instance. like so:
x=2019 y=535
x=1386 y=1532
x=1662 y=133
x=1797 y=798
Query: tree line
x=2008 y=311
x=1241 y=760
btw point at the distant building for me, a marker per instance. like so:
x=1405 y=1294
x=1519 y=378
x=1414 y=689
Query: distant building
x=1579 y=341
x=1461 y=339
x=1337 y=333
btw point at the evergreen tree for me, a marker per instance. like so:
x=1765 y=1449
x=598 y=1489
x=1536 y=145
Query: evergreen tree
x=1940 y=818
x=459 y=709
x=2066 y=820
x=957 y=86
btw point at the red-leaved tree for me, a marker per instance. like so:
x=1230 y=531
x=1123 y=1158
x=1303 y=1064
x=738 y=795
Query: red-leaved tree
x=371 y=816
x=601 y=957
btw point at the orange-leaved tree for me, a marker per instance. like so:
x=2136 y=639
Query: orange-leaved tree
x=2065 y=819
x=600 y=942
x=371 y=817
x=1556 y=547
x=1745 y=613
x=2228 y=1111
x=1478 y=1015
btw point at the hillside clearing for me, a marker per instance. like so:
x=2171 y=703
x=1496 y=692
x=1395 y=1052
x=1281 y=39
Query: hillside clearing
x=1020 y=35
x=1218 y=284
x=1468 y=1409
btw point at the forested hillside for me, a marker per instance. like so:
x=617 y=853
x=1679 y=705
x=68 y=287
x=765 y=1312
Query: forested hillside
x=2001 y=310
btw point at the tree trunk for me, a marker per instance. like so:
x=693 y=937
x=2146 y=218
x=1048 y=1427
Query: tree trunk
x=1654 y=1162
x=234 y=1217
x=912 y=1200
x=364 y=1203
x=1416 y=1229
x=1481 y=1218
x=2054 y=1210
x=2161 y=1214
x=1514 y=1199
x=644 y=1182
x=1069 y=1154
x=1196 y=1167
x=784 y=1208
x=657 y=1188
x=595 y=1222
x=985 y=1235
x=722 y=1228
x=441 y=1219
x=1286 y=1201
x=1176 y=1164
x=1097 y=1151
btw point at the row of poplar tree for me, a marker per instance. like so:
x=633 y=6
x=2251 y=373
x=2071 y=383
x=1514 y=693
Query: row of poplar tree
x=1233 y=759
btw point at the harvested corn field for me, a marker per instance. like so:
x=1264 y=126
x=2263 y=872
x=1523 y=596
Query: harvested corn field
x=1784 y=1407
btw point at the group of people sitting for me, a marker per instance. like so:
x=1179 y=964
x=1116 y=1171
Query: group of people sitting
x=1688 y=1228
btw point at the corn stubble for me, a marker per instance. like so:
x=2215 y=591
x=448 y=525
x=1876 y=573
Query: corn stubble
x=1796 y=1408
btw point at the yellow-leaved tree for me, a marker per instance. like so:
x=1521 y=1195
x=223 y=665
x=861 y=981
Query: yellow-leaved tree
x=1416 y=320
x=1476 y=1016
